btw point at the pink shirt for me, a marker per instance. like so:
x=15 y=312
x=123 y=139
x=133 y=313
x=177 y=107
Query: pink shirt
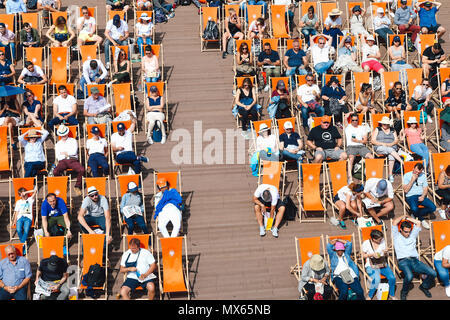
x=150 y=64
x=413 y=136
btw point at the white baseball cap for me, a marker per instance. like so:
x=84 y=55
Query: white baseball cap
x=288 y=125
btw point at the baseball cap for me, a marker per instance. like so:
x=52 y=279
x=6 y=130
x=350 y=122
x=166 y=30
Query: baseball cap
x=370 y=38
x=280 y=84
x=348 y=39
x=403 y=1
x=95 y=130
x=427 y=4
x=153 y=89
x=132 y=187
x=382 y=187
x=326 y=119
x=120 y=126
x=380 y=10
x=288 y=125
x=94 y=90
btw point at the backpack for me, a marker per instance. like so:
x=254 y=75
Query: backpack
x=211 y=31
x=95 y=277
x=160 y=17
x=291 y=210
x=157 y=133
x=185 y=2
x=32 y=4
x=56 y=230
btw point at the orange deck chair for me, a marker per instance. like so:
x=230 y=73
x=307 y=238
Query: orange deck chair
x=414 y=79
x=111 y=13
x=32 y=18
x=59 y=62
x=390 y=37
x=254 y=12
x=280 y=130
x=418 y=114
x=440 y=161
x=272 y=172
x=14 y=185
x=87 y=52
x=59 y=186
x=336 y=179
x=117 y=166
x=53 y=246
x=254 y=126
x=305 y=248
x=174 y=180
x=40 y=92
x=158 y=51
x=18 y=246
x=113 y=57
x=374 y=168
x=358 y=79
x=55 y=14
x=300 y=80
x=162 y=90
x=374 y=7
x=389 y=78
x=175 y=276
x=325 y=8
x=439 y=239
x=278 y=21
x=93 y=245
x=122 y=97
x=35 y=55
x=100 y=183
x=349 y=12
x=425 y=41
x=213 y=14
x=137 y=16
x=435 y=135
x=311 y=196
x=6 y=160
x=8 y=20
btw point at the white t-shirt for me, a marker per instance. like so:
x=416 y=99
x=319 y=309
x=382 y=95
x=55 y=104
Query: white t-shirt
x=70 y=146
x=269 y=142
x=36 y=73
x=369 y=50
x=115 y=32
x=273 y=192
x=344 y=192
x=144 y=262
x=342 y=265
x=306 y=92
x=24 y=208
x=88 y=25
x=371 y=186
x=367 y=248
x=144 y=29
x=443 y=254
x=125 y=141
x=358 y=133
x=420 y=91
x=320 y=54
x=65 y=105
x=96 y=146
x=333 y=24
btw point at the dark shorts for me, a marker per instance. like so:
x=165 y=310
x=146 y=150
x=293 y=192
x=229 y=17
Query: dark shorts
x=133 y=283
x=433 y=29
x=268 y=205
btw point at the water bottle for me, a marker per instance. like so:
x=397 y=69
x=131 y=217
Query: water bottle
x=50 y=174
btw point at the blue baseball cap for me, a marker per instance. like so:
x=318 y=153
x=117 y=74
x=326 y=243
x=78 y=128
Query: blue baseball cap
x=95 y=130
x=382 y=187
x=120 y=126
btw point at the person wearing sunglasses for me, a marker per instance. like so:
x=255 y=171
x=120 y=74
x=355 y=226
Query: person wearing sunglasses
x=421 y=98
x=121 y=68
x=14 y=284
x=269 y=61
x=405 y=231
x=86 y=27
x=308 y=98
x=244 y=62
x=396 y=102
x=295 y=61
x=320 y=53
x=397 y=54
x=6 y=70
x=95 y=211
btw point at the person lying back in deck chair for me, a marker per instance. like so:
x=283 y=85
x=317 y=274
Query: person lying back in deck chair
x=266 y=196
x=168 y=208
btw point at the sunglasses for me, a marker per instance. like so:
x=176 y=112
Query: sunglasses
x=355 y=120
x=398 y=88
x=325 y=122
x=321 y=42
x=2 y=54
x=309 y=80
x=93 y=195
x=409 y=231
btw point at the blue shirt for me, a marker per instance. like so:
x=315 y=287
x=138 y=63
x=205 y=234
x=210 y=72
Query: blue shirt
x=331 y=92
x=273 y=56
x=34 y=151
x=15 y=6
x=428 y=17
x=295 y=59
x=405 y=247
x=169 y=196
x=59 y=210
x=418 y=185
x=14 y=274
x=292 y=139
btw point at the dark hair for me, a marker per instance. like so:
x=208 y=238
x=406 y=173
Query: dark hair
x=247 y=81
x=60 y=20
x=244 y=44
x=93 y=64
x=311 y=8
x=135 y=241
x=309 y=74
x=84 y=8
x=267 y=44
x=447 y=170
x=365 y=86
x=396 y=83
x=261 y=20
x=22 y=189
x=49 y=195
x=405 y=224
x=356 y=187
x=26 y=25
x=333 y=79
x=419 y=166
x=149 y=49
x=28 y=63
x=62 y=87
x=28 y=91
x=376 y=234
x=437 y=46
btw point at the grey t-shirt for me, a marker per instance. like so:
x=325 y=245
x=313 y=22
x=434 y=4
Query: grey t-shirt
x=95 y=209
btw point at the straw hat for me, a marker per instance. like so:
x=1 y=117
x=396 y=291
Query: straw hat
x=411 y=120
x=385 y=120
x=263 y=127
x=335 y=12
x=62 y=130
x=32 y=133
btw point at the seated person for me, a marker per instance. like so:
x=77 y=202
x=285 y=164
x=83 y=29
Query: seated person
x=381 y=24
x=371 y=54
x=23 y=213
x=315 y=273
x=295 y=61
x=32 y=74
x=404 y=19
x=122 y=68
x=346 y=59
x=344 y=272
x=445 y=92
x=116 y=34
x=244 y=62
x=320 y=53
x=168 y=203
x=415 y=186
x=86 y=27
x=348 y=198
x=385 y=142
x=167 y=8
x=66 y=154
x=326 y=141
x=356 y=139
x=94 y=72
x=117 y=5
x=379 y=194
x=334 y=100
x=269 y=61
x=415 y=138
x=15 y=6
x=357 y=21
x=47 y=6
x=442 y=265
x=257 y=29
x=396 y=101
x=95 y=211
x=445 y=136
x=280 y=102
x=443 y=191
x=139 y=264
x=144 y=5
x=397 y=54
x=366 y=99
x=432 y=57
x=266 y=196
x=32 y=109
x=427 y=17
x=150 y=66
x=132 y=209
x=7 y=41
x=7 y=71
x=144 y=31
x=155 y=113
x=291 y=144
x=54 y=212
x=245 y=102
x=308 y=98
x=62 y=33
x=64 y=109
x=333 y=25
x=15 y=275
x=421 y=98
x=51 y=279
x=96 y=109
x=309 y=24
x=266 y=144
x=97 y=149
x=232 y=30
x=10 y=112
x=32 y=141
x=29 y=37
x=122 y=145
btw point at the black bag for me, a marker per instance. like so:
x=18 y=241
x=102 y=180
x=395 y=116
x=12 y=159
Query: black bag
x=291 y=210
x=32 y=4
x=56 y=230
x=211 y=31
x=95 y=277
x=185 y=2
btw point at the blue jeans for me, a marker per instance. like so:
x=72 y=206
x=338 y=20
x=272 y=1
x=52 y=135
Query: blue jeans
x=322 y=67
x=343 y=288
x=383 y=32
x=319 y=111
x=333 y=33
x=419 y=213
x=292 y=72
x=308 y=32
x=20 y=294
x=374 y=274
x=108 y=44
x=83 y=84
x=129 y=157
x=97 y=160
x=23 y=226
x=92 y=221
x=136 y=219
x=287 y=155
x=140 y=43
x=422 y=151
x=32 y=168
x=55 y=121
x=442 y=272
x=408 y=265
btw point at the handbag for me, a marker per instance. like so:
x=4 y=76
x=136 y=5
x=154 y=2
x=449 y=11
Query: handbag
x=377 y=263
x=346 y=276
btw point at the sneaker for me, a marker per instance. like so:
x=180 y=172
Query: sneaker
x=266 y=88
x=403 y=295
x=171 y=15
x=244 y=134
x=391 y=179
x=334 y=221
x=163 y=140
x=447 y=291
x=224 y=55
x=429 y=120
x=262 y=231
x=442 y=214
x=107 y=65
x=150 y=140
x=425 y=225
x=425 y=291
x=77 y=191
x=342 y=225
x=274 y=232
x=24 y=250
x=144 y=159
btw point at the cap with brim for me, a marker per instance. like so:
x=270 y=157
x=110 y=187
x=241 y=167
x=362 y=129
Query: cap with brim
x=280 y=84
x=380 y=10
x=356 y=8
x=95 y=130
x=116 y=18
x=412 y=120
x=385 y=120
x=53 y=263
x=335 y=12
x=382 y=188
x=32 y=133
x=132 y=187
x=288 y=125
x=263 y=127
x=153 y=89
x=316 y=263
x=348 y=40
x=144 y=16
x=396 y=39
x=121 y=126
x=94 y=90
x=370 y=38
x=403 y=1
x=428 y=4
x=92 y=190
x=326 y=119
x=339 y=246
x=62 y=131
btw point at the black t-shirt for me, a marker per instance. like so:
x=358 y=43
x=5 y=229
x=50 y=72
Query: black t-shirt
x=50 y=275
x=324 y=138
x=293 y=139
x=428 y=52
